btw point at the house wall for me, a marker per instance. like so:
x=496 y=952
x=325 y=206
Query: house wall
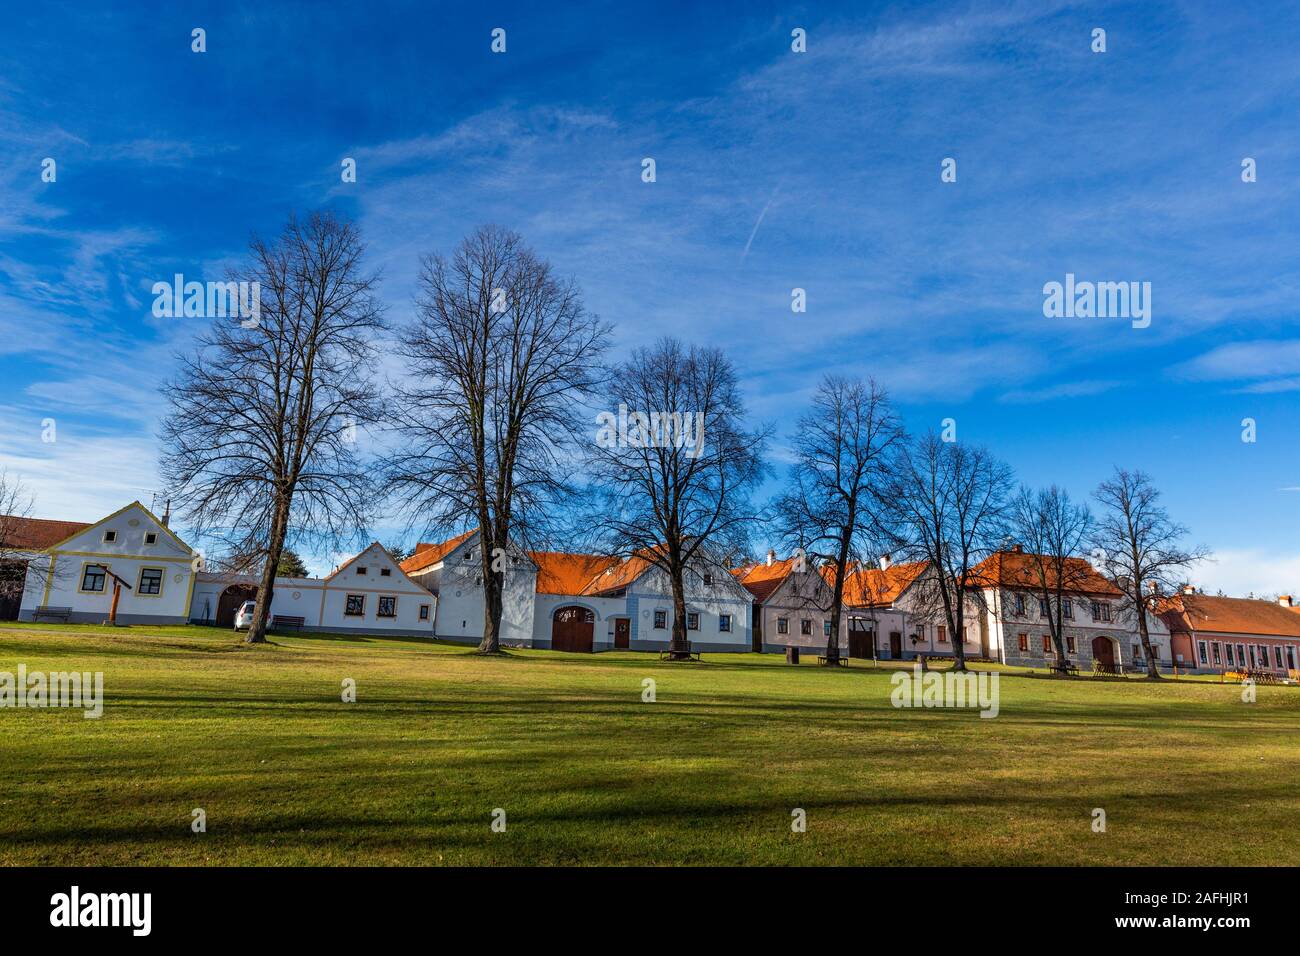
x=1190 y=646
x=55 y=580
x=800 y=597
x=605 y=609
x=652 y=592
x=1005 y=627
x=461 y=611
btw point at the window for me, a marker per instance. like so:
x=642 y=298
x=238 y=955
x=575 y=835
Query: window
x=92 y=579
x=724 y=622
x=1215 y=648
x=151 y=537
x=110 y=536
x=1241 y=656
x=1137 y=652
x=661 y=620
x=387 y=606
x=1020 y=605
x=692 y=621
x=469 y=555
x=708 y=578
x=1202 y=652
x=1252 y=655
x=1069 y=643
x=1290 y=657
x=1042 y=607
x=826 y=631
x=805 y=626
x=1024 y=643
x=783 y=625
x=1069 y=609
x=1277 y=655
x=1100 y=612
x=943 y=634
x=150 y=581
x=424 y=612
x=361 y=569
x=385 y=572
x=1047 y=643
x=355 y=606
x=1227 y=654
x=478 y=580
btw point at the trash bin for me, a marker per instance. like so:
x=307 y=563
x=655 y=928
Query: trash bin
x=792 y=655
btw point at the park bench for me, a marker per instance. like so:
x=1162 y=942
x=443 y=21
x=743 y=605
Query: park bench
x=823 y=660
x=667 y=653
x=52 y=614
x=287 y=620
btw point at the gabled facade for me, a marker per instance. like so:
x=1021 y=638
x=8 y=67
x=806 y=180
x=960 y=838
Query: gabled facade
x=791 y=606
x=889 y=617
x=1014 y=618
x=79 y=573
x=367 y=594
x=1235 y=634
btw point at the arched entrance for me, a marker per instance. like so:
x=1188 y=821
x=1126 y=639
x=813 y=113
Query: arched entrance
x=230 y=600
x=1103 y=652
x=572 y=629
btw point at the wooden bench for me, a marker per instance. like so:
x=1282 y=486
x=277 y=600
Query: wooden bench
x=668 y=652
x=53 y=614
x=824 y=661
x=287 y=620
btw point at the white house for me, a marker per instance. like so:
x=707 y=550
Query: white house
x=367 y=594
x=791 y=606
x=1014 y=621
x=893 y=615
x=132 y=553
x=579 y=602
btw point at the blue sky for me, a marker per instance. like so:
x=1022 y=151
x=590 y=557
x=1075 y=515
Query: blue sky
x=775 y=170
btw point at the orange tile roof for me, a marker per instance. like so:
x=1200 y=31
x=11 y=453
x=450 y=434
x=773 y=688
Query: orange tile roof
x=1018 y=569
x=559 y=572
x=619 y=575
x=430 y=554
x=872 y=587
x=36 y=534
x=1201 y=612
x=761 y=578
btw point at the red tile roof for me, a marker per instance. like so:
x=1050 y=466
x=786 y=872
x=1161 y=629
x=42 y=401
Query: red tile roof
x=35 y=534
x=430 y=554
x=1018 y=569
x=618 y=575
x=1201 y=612
x=872 y=587
x=560 y=572
x=761 y=578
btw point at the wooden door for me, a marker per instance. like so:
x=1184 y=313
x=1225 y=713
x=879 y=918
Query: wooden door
x=895 y=646
x=756 y=632
x=1104 y=653
x=572 y=629
x=622 y=632
x=859 y=642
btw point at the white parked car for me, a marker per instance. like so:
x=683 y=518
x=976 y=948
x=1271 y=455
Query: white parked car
x=244 y=616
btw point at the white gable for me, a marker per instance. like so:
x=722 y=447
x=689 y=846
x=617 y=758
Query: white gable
x=132 y=531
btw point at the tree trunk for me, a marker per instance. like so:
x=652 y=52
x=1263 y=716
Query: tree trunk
x=266 y=588
x=492 y=587
x=679 y=645
x=1152 y=673
x=958 y=639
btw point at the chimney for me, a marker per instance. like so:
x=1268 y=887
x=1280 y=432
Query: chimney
x=167 y=513
x=1189 y=588
x=885 y=562
x=771 y=557
x=1285 y=600
x=1017 y=549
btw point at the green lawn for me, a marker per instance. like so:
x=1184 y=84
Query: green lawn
x=587 y=773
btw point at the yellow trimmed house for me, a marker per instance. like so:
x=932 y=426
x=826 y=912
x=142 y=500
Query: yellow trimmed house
x=131 y=551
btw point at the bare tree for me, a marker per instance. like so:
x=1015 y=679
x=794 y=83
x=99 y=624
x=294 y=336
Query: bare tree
x=831 y=510
x=1139 y=546
x=15 y=508
x=1054 y=532
x=260 y=443
x=949 y=504
x=503 y=353
x=675 y=465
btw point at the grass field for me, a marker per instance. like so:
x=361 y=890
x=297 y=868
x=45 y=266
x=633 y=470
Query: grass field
x=587 y=773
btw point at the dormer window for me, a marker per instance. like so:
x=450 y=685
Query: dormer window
x=151 y=537
x=110 y=537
